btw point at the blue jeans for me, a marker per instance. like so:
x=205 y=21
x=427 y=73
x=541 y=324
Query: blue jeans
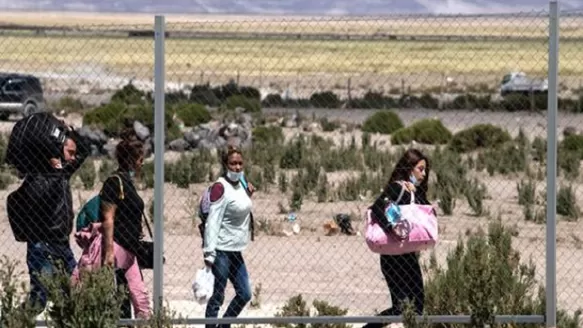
x=229 y=266
x=40 y=259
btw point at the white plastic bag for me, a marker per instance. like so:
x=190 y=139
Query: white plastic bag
x=203 y=285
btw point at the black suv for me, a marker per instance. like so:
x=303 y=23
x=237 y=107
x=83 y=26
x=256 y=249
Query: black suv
x=20 y=94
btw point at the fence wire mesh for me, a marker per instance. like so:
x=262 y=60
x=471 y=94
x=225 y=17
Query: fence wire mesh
x=322 y=109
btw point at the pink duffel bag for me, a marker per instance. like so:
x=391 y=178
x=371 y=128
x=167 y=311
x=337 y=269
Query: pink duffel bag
x=418 y=226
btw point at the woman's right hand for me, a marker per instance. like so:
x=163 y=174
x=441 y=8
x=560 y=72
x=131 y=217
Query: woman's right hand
x=109 y=259
x=409 y=186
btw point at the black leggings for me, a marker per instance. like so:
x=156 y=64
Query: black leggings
x=405 y=281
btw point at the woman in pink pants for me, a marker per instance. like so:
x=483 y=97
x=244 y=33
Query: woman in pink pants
x=114 y=241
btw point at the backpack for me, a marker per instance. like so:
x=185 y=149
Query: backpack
x=90 y=211
x=204 y=206
x=33 y=141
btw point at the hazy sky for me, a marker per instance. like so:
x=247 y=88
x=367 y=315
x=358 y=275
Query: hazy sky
x=337 y=7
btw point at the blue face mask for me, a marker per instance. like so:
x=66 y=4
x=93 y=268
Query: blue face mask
x=413 y=180
x=132 y=174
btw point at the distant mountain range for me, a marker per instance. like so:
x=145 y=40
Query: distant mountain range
x=292 y=7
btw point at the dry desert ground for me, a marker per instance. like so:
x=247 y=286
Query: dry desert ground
x=340 y=269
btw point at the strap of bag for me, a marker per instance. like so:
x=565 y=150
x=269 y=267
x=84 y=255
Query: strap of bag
x=400 y=193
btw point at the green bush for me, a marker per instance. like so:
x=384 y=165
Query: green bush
x=296 y=306
x=12 y=314
x=478 y=136
x=484 y=277
x=273 y=100
x=203 y=94
x=475 y=194
x=129 y=95
x=193 y=114
x=188 y=169
x=567 y=203
x=373 y=100
x=326 y=99
x=425 y=131
x=572 y=143
x=267 y=135
x=94 y=303
x=88 y=174
x=6 y=179
x=383 y=122
x=249 y=104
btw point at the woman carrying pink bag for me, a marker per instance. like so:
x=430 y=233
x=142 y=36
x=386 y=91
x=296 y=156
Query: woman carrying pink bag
x=405 y=196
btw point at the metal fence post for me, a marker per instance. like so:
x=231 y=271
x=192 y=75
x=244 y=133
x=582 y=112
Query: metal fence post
x=551 y=256
x=159 y=83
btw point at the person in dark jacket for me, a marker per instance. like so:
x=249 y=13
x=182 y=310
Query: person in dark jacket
x=403 y=272
x=50 y=205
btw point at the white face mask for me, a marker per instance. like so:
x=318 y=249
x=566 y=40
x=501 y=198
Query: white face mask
x=234 y=176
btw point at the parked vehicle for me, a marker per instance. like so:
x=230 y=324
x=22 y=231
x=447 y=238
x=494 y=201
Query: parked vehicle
x=20 y=94
x=519 y=82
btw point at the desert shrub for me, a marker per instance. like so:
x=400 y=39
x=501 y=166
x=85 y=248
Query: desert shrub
x=428 y=101
x=569 y=162
x=539 y=149
x=6 y=179
x=450 y=175
x=384 y=122
x=96 y=302
x=475 y=194
x=322 y=188
x=296 y=306
x=3 y=145
x=327 y=125
x=128 y=95
x=507 y=158
x=282 y=182
x=88 y=174
x=526 y=192
x=250 y=92
x=250 y=105
x=326 y=99
x=574 y=144
x=425 y=131
x=567 y=203
x=489 y=268
x=267 y=135
x=12 y=314
x=147 y=174
x=471 y=101
x=515 y=102
x=273 y=100
x=68 y=105
x=478 y=136
x=297 y=198
x=175 y=98
x=203 y=94
x=188 y=169
x=373 y=100
x=325 y=309
x=193 y=114
x=293 y=154
x=350 y=189
x=105 y=169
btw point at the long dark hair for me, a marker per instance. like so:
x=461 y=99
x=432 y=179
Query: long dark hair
x=405 y=166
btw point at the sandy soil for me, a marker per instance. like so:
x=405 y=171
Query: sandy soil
x=340 y=269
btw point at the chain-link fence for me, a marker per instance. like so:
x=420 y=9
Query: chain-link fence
x=322 y=111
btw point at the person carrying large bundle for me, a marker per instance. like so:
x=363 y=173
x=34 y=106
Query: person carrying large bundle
x=45 y=152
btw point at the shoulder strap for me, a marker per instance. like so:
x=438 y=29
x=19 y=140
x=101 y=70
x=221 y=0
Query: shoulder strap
x=400 y=193
x=121 y=192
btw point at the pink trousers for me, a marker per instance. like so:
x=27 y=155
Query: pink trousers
x=90 y=240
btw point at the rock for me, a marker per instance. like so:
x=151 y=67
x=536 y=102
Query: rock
x=109 y=148
x=192 y=138
x=141 y=130
x=312 y=127
x=179 y=145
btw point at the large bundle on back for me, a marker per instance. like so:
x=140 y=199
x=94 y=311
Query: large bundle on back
x=34 y=140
